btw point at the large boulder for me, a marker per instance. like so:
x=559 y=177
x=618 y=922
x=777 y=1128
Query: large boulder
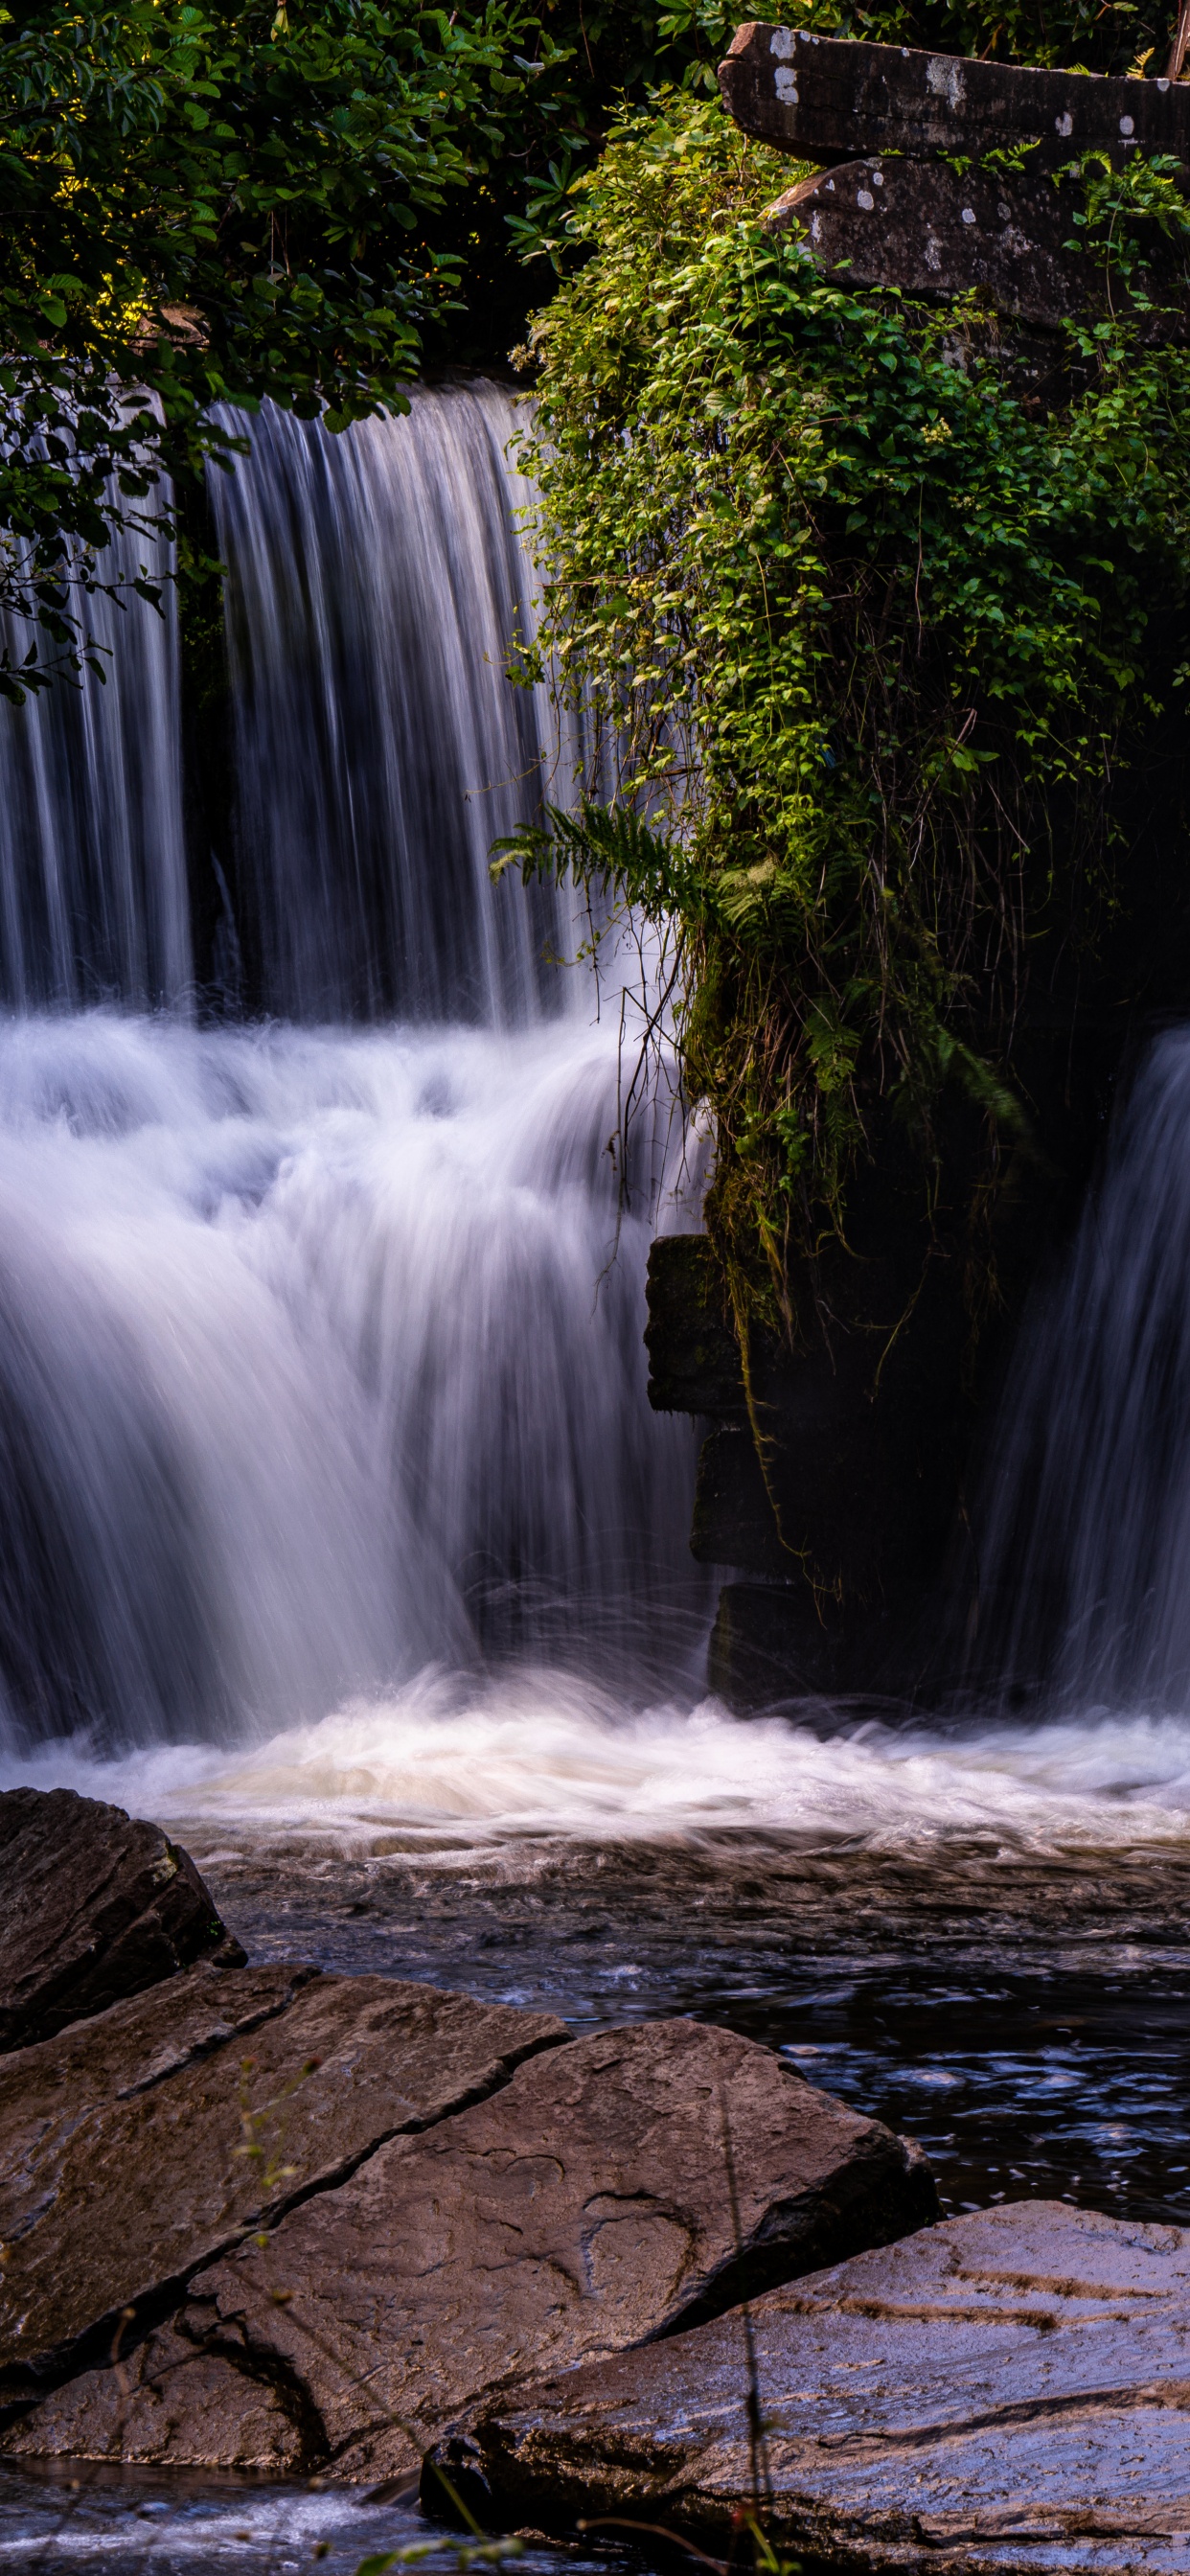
x=615 y=2190
x=96 y=1906
x=138 y=2145
x=1007 y=2392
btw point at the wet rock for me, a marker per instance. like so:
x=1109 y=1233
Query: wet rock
x=936 y=233
x=733 y=1521
x=96 y=1906
x=824 y=98
x=136 y=2146
x=772 y=1642
x=585 y=2207
x=1002 y=2392
x=694 y=1360
x=171 y=2404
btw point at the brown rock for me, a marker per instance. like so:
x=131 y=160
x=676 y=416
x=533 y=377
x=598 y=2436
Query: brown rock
x=823 y=98
x=136 y=2146
x=932 y=233
x=1007 y=2391
x=585 y=2207
x=170 y=2404
x=96 y=1906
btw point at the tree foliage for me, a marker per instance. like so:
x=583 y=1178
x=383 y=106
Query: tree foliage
x=204 y=204
x=867 y=634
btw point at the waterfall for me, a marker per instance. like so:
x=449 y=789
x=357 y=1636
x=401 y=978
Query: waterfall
x=321 y=1355
x=93 y=900
x=1085 y=1548
x=377 y=583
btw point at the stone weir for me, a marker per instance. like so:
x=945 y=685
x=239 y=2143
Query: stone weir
x=914 y=186
x=833 y=1485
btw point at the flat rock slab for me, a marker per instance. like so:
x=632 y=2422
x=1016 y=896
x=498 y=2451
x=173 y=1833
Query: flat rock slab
x=934 y=233
x=96 y=1906
x=138 y=2145
x=825 y=98
x=585 y=2207
x=1008 y=2392
x=168 y=2403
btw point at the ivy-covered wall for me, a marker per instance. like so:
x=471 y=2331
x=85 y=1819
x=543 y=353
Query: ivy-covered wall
x=882 y=628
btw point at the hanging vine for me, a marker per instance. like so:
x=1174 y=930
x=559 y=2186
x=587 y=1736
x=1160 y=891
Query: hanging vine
x=866 y=636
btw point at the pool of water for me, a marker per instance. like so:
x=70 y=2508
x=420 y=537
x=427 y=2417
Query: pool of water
x=1028 y=2021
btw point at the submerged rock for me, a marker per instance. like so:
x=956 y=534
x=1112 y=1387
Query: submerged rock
x=585 y=2207
x=136 y=2146
x=97 y=1906
x=1003 y=2392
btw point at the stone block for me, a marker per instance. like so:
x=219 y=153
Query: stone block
x=827 y=98
x=694 y=1361
x=774 y=1642
x=734 y=1522
x=924 y=229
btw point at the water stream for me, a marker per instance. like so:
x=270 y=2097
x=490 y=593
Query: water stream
x=378 y=585
x=335 y=1527
x=1085 y=1541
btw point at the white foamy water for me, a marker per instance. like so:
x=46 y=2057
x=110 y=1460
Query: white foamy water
x=450 y=1764
x=320 y=1357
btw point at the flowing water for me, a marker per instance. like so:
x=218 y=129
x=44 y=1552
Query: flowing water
x=378 y=586
x=337 y=1531
x=1086 y=1546
x=93 y=896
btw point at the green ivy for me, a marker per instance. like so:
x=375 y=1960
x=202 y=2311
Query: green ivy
x=866 y=632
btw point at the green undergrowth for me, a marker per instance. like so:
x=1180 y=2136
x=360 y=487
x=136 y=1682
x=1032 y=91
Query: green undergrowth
x=867 y=632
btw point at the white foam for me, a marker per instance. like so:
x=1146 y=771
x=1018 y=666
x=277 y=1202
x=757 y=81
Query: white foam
x=450 y=1764
x=309 y=1342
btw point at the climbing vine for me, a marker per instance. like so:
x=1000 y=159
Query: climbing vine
x=866 y=627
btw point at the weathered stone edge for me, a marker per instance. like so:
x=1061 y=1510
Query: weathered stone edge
x=22 y=2387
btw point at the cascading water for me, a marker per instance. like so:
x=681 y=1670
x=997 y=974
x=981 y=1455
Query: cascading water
x=320 y=1347
x=320 y=1344
x=93 y=900
x=1085 y=1550
x=377 y=584
x=332 y=1510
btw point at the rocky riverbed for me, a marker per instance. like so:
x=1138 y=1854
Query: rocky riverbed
x=320 y=2225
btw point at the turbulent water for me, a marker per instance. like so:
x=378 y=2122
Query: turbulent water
x=457 y=1762
x=321 y=1360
